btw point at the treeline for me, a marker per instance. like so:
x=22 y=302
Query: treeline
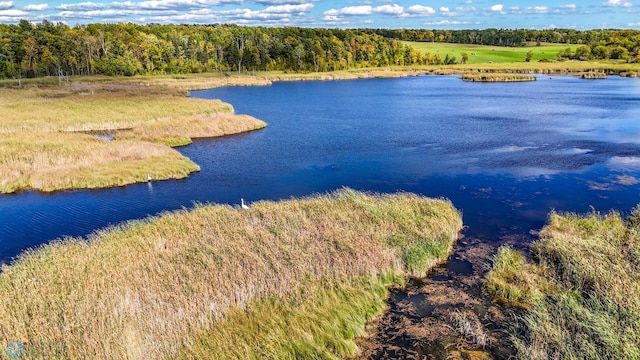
x=44 y=49
x=518 y=37
x=32 y=50
x=595 y=44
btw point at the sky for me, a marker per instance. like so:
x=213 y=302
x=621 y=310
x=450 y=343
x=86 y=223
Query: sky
x=419 y=14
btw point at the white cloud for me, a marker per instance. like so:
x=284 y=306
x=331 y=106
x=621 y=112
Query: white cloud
x=393 y=9
x=83 y=6
x=284 y=2
x=4 y=5
x=446 y=23
x=277 y=12
x=13 y=13
x=458 y=11
x=350 y=10
x=565 y=9
x=334 y=14
x=617 y=3
x=173 y=4
x=289 y=8
x=421 y=10
x=537 y=10
x=497 y=7
x=36 y=7
x=149 y=4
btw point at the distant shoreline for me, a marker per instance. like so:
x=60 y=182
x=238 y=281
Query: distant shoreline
x=87 y=98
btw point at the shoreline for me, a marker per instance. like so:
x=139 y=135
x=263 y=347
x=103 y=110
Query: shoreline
x=104 y=135
x=175 y=88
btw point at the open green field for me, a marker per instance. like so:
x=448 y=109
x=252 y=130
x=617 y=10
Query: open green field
x=582 y=291
x=479 y=54
x=295 y=279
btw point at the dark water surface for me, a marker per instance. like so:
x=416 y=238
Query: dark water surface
x=505 y=154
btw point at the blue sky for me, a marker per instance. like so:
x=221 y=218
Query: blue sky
x=431 y=14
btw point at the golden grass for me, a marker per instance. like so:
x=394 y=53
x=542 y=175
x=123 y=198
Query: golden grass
x=320 y=320
x=592 y=75
x=592 y=309
x=52 y=110
x=496 y=77
x=54 y=161
x=149 y=289
x=44 y=145
x=180 y=130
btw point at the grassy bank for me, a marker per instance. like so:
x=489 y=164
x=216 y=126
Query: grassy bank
x=582 y=292
x=46 y=143
x=296 y=278
x=54 y=161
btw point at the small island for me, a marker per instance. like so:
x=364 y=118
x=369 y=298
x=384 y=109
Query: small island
x=496 y=77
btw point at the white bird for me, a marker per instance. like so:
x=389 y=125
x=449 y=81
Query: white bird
x=148 y=177
x=242 y=204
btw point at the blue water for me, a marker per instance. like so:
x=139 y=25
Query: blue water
x=505 y=154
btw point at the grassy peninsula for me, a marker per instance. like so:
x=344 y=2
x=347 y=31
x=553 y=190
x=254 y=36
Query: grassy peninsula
x=581 y=292
x=49 y=137
x=291 y=279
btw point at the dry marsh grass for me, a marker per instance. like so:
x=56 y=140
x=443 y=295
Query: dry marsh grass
x=157 y=288
x=593 y=308
x=37 y=110
x=55 y=161
x=317 y=321
x=496 y=77
x=181 y=130
x=44 y=144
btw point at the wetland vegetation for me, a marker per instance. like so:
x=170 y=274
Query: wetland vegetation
x=579 y=291
x=496 y=77
x=49 y=137
x=212 y=279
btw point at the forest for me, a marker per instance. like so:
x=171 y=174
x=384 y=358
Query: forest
x=48 y=49
x=44 y=49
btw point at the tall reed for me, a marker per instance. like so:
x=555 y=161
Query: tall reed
x=590 y=286
x=46 y=143
x=149 y=289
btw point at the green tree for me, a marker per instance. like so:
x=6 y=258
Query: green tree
x=583 y=53
x=619 y=53
x=529 y=56
x=465 y=58
x=601 y=52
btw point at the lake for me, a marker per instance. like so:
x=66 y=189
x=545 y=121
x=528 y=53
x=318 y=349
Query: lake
x=506 y=154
